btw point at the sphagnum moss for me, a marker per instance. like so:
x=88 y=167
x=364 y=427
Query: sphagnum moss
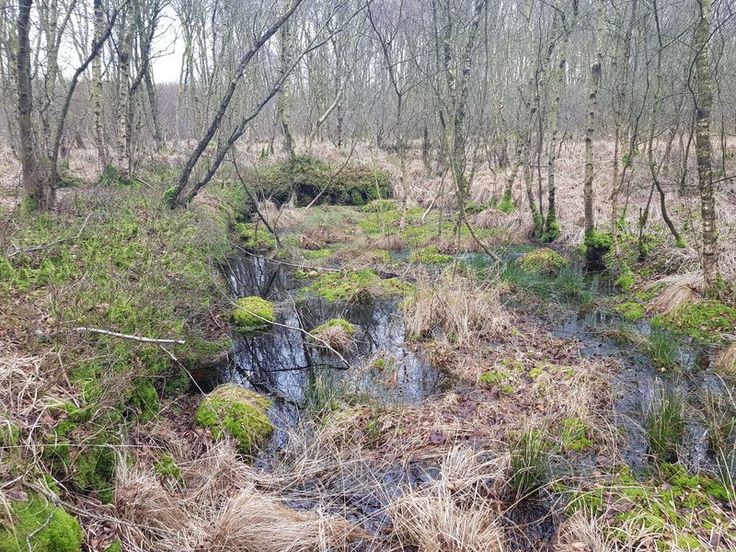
x=37 y=525
x=236 y=412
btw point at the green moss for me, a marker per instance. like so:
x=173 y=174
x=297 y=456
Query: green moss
x=536 y=372
x=429 y=255
x=543 y=261
x=307 y=178
x=627 y=279
x=493 y=377
x=346 y=326
x=591 y=502
x=599 y=240
x=507 y=389
x=233 y=411
x=166 y=467
x=9 y=434
x=114 y=546
x=111 y=176
x=575 y=435
x=709 y=320
x=144 y=399
x=551 y=228
x=169 y=196
x=252 y=314
x=255 y=237
x=506 y=204
x=36 y=525
x=631 y=311
x=355 y=285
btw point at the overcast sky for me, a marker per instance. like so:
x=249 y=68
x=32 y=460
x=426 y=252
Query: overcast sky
x=169 y=48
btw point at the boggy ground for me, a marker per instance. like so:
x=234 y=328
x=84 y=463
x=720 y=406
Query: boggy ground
x=526 y=445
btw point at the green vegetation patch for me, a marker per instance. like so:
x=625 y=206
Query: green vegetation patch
x=543 y=260
x=36 y=525
x=631 y=311
x=356 y=285
x=708 y=320
x=308 y=179
x=341 y=323
x=575 y=435
x=167 y=468
x=252 y=314
x=233 y=411
x=255 y=237
x=429 y=255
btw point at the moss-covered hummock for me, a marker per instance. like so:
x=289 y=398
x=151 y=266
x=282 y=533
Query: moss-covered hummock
x=307 y=179
x=252 y=314
x=236 y=412
x=36 y=525
x=708 y=321
x=341 y=323
x=631 y=311
x=543 y=261
x=429 y=255
x=355 y=284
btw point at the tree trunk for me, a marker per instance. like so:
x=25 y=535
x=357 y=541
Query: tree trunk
x=282 y=102
x=704 y=149
x=97 y=91
x=38 y=193
x=594 y=85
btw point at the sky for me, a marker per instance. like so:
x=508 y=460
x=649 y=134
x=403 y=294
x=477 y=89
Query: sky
x=169 y=48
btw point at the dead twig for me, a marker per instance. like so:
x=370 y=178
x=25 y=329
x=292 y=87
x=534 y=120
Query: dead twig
x=82 y=329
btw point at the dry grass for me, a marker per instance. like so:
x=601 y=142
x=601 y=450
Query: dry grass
x=726 y=362
x=463 y=308
x=678 y=290
x=390 y=242
x=582 y=533
x=455 y=512
x=219 y=509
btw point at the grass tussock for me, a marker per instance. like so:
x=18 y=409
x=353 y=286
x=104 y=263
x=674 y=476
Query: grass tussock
x=462 y=308
x=391 y=242
x=454 y=512
x=726 y=362
x=678 y=290
x=219 y=510
x=665 y=424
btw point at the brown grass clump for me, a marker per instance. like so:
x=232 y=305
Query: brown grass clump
x=250 y=522
x=463 y=308
x=583 y=533
x=678 y=290
x=726 y=362
x=513 y=226
x=390 y=242
x=219 y=509
x=454 y=512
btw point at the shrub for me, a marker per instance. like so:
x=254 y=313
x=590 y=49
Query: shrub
x=252 y=314
x=233 y=411
x=38 y=526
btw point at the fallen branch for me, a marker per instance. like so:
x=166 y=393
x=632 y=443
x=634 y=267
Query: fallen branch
x=131 y=337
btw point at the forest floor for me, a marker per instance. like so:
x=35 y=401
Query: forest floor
x=402 y=385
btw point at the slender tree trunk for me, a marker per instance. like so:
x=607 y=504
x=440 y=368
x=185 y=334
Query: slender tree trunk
x=37 y=192
x=283 y=111
x=124 y=108
x=97 y=90
x=593 y=86
x=704 y=149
